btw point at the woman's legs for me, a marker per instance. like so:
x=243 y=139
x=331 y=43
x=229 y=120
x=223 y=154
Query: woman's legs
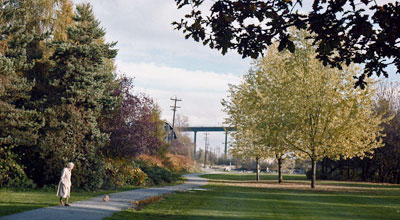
x=66 y=201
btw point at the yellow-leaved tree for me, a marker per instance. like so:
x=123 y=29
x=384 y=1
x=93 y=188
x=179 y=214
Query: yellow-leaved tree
x=293 y=103
x=331 y=117
x=256 y=108
x=242 y=113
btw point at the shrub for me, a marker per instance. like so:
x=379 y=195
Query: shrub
x=123 y=172
x=174 y=163
x=158 y=175
x=12 y=174
x=181 y=164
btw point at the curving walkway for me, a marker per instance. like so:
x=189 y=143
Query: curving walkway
x=95 y=208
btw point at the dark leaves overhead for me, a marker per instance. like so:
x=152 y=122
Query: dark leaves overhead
x=344 y=31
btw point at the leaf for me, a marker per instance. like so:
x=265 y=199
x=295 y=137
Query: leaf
x=290 y=46
x=282 y=44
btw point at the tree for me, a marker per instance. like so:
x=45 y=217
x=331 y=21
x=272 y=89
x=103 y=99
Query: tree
x=136 y=127
x=384 y=164
x=260 y=106
x=243 y=113
x=295 y=103
x=274 y=104
x=78 y=84
x=344 y=32
x=243 y=146
x=182 y=145
x=330 y=117
x=19 y=123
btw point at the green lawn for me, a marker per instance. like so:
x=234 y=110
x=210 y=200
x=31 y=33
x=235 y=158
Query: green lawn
x=237 y=197
x=252 y=176
x=14 y=201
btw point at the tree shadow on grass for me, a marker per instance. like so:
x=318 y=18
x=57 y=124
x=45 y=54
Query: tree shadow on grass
x=250 y=203
x=322 y=186
x=251 y=176
x=17 y=207
x=155 y=216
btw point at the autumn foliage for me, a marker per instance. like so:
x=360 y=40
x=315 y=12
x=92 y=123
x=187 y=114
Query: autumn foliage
x=292 y=103
x=61 y=100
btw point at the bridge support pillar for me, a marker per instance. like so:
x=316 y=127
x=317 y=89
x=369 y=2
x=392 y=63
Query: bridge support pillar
x=194 y=145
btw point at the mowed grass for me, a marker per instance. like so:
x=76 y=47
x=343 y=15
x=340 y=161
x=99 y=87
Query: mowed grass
x=14 y=201
x=239 y=197
x=252 y=176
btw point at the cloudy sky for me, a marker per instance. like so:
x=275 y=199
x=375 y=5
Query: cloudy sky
x=166 y=65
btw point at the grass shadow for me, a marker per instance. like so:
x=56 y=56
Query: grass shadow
x=222 y=201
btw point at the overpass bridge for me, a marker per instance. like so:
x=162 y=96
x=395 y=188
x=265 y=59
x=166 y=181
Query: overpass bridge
x=208 y=129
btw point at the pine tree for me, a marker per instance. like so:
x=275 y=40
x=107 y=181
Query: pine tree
x=80 y=82
x=18 y=123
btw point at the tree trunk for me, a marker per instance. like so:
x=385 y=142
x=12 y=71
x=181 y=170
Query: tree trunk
x=367 y=168
x=258 y=169
x=280 y=179
x=398 y=179
x=381 y=175
x=397 y=174
x=363 y=174
x=313 y=172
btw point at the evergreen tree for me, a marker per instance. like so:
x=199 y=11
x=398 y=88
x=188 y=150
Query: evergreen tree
x=79 y=81
x=19 y=124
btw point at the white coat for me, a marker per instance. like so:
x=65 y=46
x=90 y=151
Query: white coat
x=64 y=186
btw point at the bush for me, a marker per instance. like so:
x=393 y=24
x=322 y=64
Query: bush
x=12 y=174
x=123 y=172
x=181 y=164
x=174 y=163
x=158 y=175
x=88 y=174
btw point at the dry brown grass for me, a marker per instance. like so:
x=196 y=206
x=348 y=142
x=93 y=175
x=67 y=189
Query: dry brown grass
x=141 y=204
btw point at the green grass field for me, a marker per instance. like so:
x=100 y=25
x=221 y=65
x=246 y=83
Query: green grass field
x=252 y=176
x=239 y=197
x=14 y=201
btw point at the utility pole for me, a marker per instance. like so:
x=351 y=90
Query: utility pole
x=205 y=150
x=174 y=107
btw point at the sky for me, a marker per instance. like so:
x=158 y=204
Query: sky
x=165 y=65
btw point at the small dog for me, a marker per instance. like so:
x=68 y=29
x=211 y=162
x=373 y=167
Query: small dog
x=106 y=198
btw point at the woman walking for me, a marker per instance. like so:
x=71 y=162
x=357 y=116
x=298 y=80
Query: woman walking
x=64 y=187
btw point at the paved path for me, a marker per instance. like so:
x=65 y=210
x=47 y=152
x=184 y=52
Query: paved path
x=95 y=208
